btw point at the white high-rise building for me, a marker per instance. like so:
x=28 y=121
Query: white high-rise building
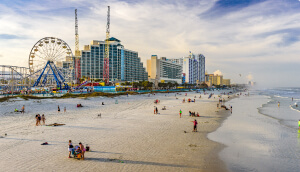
x=193 y=68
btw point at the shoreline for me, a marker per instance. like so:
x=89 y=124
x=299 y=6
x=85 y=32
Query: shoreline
x=127 y=132
x=224 y=114
x=259 y=136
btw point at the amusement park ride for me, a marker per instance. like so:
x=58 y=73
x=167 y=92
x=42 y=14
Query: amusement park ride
x=52 y=64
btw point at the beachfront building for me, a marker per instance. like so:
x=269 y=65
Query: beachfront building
x=193 y=68
x=214 y=80
x=163 y=70
x=124 y=64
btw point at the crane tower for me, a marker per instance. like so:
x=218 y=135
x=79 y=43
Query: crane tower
x=106 y=55
x=77 y=51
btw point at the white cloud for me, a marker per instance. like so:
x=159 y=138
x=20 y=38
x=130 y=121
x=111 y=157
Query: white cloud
x=234 y=43
x=218 y=72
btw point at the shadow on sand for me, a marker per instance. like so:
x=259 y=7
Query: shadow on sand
x=136 y=162
x=103 y=152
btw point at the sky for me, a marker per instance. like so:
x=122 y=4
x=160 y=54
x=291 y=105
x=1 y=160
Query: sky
x=242 y=39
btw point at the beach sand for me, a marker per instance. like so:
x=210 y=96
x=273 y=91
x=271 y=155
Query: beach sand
x=127 y=137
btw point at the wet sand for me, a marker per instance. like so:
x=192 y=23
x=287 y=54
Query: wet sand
x=256 y=140
x=127 y=137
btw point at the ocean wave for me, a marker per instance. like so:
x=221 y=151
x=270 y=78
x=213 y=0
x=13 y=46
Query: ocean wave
x=295 y=108
x=281 y=97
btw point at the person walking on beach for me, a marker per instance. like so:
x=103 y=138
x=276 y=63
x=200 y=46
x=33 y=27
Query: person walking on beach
x=278 y=104
x=37 y=119
x=70 y=148
x=23 y=109
x=195 y=125
x=231 y=109
x=156 y=110
x=43 y=119
x=58 y=109
x=180 y=112
x=65 y=109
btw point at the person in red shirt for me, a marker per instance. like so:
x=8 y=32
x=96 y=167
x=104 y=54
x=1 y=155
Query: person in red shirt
x=195 y=125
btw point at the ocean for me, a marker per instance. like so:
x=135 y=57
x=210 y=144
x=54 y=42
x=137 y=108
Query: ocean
x=262 y=133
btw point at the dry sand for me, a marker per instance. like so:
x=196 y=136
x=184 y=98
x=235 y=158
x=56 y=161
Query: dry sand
x=128 y=136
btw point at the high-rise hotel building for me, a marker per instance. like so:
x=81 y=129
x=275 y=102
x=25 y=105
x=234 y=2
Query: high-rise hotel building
x=163 y=70
x=193 y=68
x=124 y=64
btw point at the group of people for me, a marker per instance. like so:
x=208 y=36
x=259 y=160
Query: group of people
x=221 y=100
x=190 y=100
x=77 y=150
x=194 y=114
x=40 y=118
x=58 y=109
x=22 y=111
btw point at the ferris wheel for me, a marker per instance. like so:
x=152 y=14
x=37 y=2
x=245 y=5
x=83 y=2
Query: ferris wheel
x=51 y=59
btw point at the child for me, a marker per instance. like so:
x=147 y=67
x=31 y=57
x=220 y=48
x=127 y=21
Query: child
x=70 y=148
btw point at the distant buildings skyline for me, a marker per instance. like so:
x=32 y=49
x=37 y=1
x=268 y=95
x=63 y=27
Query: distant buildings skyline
x=189 y=69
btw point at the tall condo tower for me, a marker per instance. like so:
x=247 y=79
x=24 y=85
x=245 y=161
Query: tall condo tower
x=106 y=55
x=77 y=51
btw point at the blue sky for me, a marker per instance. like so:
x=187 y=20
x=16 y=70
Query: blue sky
x=256 y=38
